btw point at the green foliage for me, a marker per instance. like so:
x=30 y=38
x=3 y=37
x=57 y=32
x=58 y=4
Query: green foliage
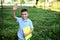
x=22 y=1
x=42 y=0
x=58 y=0
x=46 y=24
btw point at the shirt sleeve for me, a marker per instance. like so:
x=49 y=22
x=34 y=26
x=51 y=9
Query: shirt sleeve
x=31 y=25
x=17 y=19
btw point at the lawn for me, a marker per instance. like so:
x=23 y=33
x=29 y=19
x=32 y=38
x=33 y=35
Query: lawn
x=46 y=24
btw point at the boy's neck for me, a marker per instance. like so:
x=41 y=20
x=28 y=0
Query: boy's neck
x=25 y=19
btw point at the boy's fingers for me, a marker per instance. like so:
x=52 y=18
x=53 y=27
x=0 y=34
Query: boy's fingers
x=15 y=5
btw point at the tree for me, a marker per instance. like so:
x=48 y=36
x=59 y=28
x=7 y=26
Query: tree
x=58 y=0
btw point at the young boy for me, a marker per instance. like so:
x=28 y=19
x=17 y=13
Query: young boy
x=23 y=22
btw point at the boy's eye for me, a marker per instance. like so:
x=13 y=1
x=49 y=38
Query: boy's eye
x=24 y=14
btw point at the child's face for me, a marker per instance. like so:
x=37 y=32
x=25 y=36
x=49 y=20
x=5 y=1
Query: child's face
x=24 y=15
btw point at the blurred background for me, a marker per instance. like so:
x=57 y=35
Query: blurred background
x=45 y=15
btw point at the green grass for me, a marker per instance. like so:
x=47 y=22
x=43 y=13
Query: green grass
x=46 y=24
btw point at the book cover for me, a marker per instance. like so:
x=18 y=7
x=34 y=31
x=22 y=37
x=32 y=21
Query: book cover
x=26 y=30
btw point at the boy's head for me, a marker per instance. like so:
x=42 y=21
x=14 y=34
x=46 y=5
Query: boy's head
x=24 y=14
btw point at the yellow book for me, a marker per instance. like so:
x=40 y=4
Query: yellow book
x=26 y=30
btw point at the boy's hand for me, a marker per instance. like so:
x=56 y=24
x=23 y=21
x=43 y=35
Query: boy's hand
x=28 y=33
x=15 y=7
x=25 y=35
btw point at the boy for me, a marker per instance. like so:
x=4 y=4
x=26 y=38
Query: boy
x=23 y=22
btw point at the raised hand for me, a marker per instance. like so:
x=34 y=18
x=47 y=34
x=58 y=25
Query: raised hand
x=15 y=7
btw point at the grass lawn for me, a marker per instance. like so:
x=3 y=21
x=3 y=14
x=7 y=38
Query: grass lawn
x=46 y=24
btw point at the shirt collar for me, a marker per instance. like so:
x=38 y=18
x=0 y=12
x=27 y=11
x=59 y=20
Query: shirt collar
x=25 y=20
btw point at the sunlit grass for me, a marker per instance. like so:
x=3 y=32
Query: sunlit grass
x=46 y=24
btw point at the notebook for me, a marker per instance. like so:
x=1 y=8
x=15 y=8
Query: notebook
x=26 y=30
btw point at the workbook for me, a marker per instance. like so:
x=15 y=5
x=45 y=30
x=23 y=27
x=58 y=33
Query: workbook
x=27 y=30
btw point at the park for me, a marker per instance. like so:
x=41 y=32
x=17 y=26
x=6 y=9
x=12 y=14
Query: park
x=45 y=18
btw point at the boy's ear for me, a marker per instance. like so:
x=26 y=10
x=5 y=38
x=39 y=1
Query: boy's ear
x=28 y=14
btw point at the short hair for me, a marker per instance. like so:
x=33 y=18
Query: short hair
x=23 y=10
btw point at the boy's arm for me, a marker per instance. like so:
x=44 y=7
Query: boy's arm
x=14 y=10
x=29 y=32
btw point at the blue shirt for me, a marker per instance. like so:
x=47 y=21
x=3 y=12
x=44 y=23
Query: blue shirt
x=23 y=24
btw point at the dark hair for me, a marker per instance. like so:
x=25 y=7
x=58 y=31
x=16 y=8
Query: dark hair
x=23 y=10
